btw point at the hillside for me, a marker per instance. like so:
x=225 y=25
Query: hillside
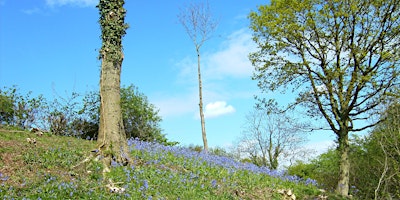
x=50 y=169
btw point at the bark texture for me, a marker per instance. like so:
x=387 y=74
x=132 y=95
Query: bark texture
x=344 y=164
x=112 y=138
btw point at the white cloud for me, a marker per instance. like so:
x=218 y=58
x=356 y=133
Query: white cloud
x=217 y=108
x=176 y=105
x=321 y=146
x=81 y=3
x=232 y=59
x=179 y=104
x=31 y=11
x=187 y=71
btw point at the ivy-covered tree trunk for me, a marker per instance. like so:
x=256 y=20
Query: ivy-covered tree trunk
x=111 y=139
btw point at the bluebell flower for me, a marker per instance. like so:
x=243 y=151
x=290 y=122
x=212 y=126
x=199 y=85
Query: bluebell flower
x=214 y=183
x=3 y=178
x=311 y=182
x=114 y=164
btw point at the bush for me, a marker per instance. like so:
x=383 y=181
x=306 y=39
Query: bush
x=6 y=109
x=79 y=116
x=21 y=111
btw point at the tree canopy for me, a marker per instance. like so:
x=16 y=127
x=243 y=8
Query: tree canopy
x=341 y=59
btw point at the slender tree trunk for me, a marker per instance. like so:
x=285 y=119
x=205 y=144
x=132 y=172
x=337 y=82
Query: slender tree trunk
x=111 y=139
x=270 y=156
x=203 y=123
x=199 y=25
x=344 y=163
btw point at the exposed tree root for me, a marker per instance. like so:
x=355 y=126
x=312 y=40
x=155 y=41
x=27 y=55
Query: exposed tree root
x=97 y=155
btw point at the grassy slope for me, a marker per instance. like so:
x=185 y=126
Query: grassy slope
x=47 y=171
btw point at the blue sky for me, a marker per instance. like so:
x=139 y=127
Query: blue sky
x=51 y=46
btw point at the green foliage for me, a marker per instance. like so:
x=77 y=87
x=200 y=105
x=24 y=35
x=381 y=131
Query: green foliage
x=197 y=148
x=324 y=169
x=301 y=169
x=374 y=160
x=214 y=150
x=6 y=109
x=339 y=58
x=78 y=115
x=305 y=47
x=220 y=152
x=21 y=111
x=113 y=28
x=141 y=119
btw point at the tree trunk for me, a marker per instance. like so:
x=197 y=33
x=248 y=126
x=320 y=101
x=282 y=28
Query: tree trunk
x=111 y=139
x=344 y=165
x=203 y=124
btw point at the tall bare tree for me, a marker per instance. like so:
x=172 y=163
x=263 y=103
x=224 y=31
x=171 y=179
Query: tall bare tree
x=197 y=20
x=111 y=139
x=341 y=59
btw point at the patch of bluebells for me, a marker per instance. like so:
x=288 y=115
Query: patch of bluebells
x=3 y=177
x=154 y=148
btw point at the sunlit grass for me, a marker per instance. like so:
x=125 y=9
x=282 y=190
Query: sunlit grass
x=47 y=171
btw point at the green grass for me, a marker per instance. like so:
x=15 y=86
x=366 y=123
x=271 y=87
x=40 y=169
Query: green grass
x=46 y=171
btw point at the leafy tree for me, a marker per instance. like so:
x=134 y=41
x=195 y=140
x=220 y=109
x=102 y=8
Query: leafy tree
x=6 y=109
x=19 y=110
x=141 y=119
x=323 y=169
x=85 y=128
x=111 y=140
x=374 y=159
x=341 y=59
x=302 y=170
x=199 y=25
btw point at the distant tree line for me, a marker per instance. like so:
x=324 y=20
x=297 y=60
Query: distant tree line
x=78 y=115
